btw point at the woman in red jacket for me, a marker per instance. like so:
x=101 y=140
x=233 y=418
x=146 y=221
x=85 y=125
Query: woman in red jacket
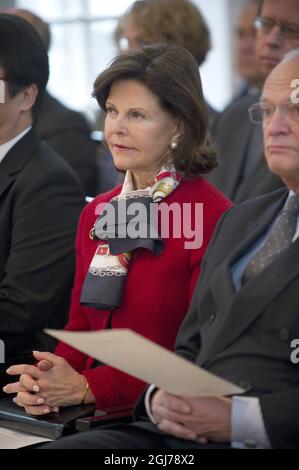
x=140 y=246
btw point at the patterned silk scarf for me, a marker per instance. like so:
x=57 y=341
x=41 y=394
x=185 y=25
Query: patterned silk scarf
x=115 y=229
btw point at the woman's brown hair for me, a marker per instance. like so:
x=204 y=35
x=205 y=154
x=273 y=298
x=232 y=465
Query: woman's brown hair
x=177 y=22
x=170 y=73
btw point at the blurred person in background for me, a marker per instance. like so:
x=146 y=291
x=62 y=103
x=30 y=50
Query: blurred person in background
x=247 y=65
x=65 y=130
x=242 y=172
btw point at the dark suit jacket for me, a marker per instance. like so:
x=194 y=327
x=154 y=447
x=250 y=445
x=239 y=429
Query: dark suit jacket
x=67 y=132
x=245 y=336
x=40 y=202
x=234 y=131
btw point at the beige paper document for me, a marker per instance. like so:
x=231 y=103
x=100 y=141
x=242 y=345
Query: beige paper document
x=137 y=356
x=16 y=440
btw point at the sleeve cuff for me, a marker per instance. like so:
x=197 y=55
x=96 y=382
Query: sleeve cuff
x=248 y=429
x=147 y=402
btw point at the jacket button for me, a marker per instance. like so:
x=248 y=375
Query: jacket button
x=212 y=318
x=284 y=334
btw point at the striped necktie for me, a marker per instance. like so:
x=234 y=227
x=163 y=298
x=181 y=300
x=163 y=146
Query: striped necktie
x=279 y=238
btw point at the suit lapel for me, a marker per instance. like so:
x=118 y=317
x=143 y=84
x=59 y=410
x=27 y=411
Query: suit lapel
x=5 y=181
x=250 y=300
x=16 y=158
x=245 y=189
x=235 y=144
x=238 y=155
x=221 y=280
x=231 y=142
x=253 y=298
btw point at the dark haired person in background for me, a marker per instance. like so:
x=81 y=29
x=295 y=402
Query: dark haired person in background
x=157 y=131
x=65 y=130
x=40 y=203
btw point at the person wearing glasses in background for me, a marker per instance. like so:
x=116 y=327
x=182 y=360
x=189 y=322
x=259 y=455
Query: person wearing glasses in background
x=242 y=172
x=243 y=321
x=246 y=63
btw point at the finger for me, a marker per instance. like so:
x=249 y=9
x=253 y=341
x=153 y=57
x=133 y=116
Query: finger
x=41 y=410
x=177 y=430
x=160 y=413
x=38 y=410
x=202 y=440
x=28 y=383
x=44 y=366
x=28 y=399
x=24 y=369
x=12 y=388
x=174 y=403
x=47 y=356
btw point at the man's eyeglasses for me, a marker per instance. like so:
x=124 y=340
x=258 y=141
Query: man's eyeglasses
x=262 y=112
x=288 y=31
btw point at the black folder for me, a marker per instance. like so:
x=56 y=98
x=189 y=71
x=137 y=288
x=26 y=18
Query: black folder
x=52 y=426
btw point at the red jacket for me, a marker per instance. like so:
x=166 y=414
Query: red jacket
x=157 y=292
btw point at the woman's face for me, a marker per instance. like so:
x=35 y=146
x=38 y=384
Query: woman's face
x=137 y=130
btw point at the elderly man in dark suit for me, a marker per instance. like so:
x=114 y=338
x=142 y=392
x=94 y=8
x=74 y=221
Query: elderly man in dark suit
x=40 y=203
x=243 y=172
x=243 y=318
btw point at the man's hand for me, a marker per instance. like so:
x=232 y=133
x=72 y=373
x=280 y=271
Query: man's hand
x=196 y=419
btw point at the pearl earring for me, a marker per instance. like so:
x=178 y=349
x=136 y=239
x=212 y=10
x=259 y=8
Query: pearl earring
x=173 y=145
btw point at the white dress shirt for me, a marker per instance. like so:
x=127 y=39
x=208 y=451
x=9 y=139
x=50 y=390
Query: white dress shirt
x=5 y=148
x=297 y=231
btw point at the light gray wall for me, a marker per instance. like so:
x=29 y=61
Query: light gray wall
x=7 y=3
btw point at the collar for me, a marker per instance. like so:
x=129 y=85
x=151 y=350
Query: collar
x=166 y=181
x=5 y=148
x=292 y=193
x=128 y=184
